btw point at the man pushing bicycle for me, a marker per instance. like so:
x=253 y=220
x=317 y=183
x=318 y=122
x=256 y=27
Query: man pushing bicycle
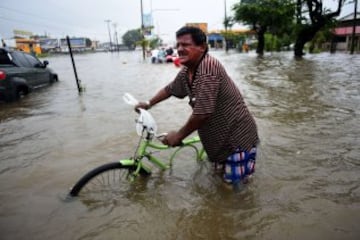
x=225 y=126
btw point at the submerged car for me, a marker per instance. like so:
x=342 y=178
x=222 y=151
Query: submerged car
x=20 y=73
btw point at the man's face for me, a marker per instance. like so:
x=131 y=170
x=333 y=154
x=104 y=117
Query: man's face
x=188 y=52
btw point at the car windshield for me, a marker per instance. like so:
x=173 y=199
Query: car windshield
x=20 y=59
x=32 y=60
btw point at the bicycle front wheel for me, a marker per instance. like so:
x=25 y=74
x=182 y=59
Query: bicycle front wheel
x=103 y=179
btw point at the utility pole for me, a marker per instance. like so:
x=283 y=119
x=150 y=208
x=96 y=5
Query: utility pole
x=354 y=29
x=226 y=26
x=142 y=30
x=225 y=22
x=116 y=37
x=108 y=25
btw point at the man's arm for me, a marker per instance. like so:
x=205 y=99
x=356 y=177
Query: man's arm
x=159 y=96
x=175 y=138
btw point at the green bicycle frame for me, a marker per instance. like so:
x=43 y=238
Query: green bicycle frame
x=143 y=152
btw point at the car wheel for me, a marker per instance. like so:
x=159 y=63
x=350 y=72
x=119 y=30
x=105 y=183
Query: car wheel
x=12 y=96
x=20 y=92
x=53 y=78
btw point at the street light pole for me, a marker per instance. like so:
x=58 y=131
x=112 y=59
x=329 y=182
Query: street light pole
x=225 y=22
x=108 y=25
x=226 y=26
x=354 y=29
x=116 y=42
x=142 y=30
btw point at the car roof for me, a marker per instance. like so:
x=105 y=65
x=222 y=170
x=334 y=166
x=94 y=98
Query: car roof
x=9 y=50
x=5 y=48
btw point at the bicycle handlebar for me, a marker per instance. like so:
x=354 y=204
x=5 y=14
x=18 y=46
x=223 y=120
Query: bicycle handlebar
x=146 y=121
x=161 y=135
x=129 y=99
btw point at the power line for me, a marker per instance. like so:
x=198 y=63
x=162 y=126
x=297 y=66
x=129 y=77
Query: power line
x=30 y=14
x=28 y=23
x=25 y=13
x=59 y=29
x=55 y=26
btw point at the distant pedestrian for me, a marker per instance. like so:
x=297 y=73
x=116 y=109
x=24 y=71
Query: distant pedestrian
x=154 y=55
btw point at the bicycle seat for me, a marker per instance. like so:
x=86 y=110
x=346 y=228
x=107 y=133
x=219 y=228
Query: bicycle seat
x=145 y=122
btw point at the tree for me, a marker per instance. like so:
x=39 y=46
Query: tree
x=228 y=23
x=265 y=15
x=318 y=19
x=131 y=38
x=233 y=38
x=155 y=42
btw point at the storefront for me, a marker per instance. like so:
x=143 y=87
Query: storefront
x=344 y=32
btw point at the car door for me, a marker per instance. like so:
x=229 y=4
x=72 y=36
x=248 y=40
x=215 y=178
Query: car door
x=26 y=70
x=41 y=74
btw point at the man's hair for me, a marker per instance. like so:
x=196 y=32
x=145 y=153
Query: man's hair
x=197 y=34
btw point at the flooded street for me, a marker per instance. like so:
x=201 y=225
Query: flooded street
x=307 y=180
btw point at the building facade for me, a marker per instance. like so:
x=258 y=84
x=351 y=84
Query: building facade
x=344 y=32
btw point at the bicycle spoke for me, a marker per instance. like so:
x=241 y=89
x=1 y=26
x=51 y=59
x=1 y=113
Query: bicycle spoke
x=104 y=182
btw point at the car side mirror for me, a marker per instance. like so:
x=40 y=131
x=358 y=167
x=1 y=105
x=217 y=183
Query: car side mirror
x=46 y=62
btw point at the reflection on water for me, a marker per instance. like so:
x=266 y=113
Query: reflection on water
x=307 y=180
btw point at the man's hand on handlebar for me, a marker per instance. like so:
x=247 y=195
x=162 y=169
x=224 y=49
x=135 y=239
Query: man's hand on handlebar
x=144 y=105
x=172 y=139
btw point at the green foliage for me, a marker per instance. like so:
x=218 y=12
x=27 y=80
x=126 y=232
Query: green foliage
x=155 y=42
x=313 y=18
x=274 y=14
x=275 y=43
x=288 y=21
x=234 y=37
x=247 y=14
x=228 y=22
x=42 y=55
x=321 y=37
x=132 y=37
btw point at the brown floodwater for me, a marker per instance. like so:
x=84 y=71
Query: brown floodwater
x=306 y=184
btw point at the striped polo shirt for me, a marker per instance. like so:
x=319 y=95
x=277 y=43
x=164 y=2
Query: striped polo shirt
x=212 y=91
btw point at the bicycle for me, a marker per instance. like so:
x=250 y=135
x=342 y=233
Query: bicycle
x=128 y=170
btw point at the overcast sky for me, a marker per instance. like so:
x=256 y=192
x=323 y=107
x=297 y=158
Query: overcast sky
x=86 y=18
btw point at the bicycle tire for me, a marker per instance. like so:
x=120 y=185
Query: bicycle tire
x=101 y=178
